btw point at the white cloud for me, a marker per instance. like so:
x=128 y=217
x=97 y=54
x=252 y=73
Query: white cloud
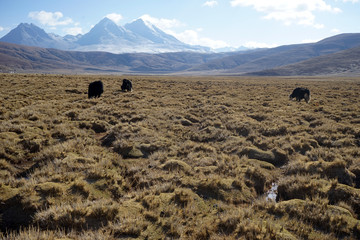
x=162 y=23
x=334 y=30
x=74 y=30
x=210 y=3
x=115 y=17
x=353 y=1
x=51 y=19
x=1 y=28
x=253 y=44
x=289 y=12
x=193 y=37
x=310 y=40
x=188 y=36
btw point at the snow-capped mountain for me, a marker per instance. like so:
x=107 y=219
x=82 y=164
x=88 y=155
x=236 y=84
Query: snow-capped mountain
x=106 y=32
x=151 y=32
x=137 y=36
x=31 y=35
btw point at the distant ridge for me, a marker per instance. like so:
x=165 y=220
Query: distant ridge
x=346 y=62
x=337 y=55
x=20 y=58
x=262 y=59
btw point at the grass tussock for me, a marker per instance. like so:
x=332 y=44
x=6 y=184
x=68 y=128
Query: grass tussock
x=178 y=158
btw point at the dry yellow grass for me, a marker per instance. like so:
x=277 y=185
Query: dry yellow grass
x=179 y=157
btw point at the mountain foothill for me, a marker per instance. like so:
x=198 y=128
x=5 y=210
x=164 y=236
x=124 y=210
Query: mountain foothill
x=141 y=48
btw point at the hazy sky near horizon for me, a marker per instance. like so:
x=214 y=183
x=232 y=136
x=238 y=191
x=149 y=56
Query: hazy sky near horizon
x=213 y=23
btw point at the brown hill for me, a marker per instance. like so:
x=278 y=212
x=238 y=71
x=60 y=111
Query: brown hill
x=22 y=58
x=34 y=59
x=345 y=62
x=274 y=61
x=258 y=60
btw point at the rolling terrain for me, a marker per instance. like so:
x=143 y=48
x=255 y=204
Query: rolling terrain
x=346 y=62
x=179 y=158
x=335 y=55
x=256 y=60
x=21 y=58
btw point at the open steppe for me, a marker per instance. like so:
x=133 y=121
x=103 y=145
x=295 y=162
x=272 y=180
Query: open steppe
x=179 y=158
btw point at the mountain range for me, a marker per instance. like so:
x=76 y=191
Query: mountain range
x=137 y=36
x=262 y=59
x=20 y=58
x=346 y=62
x=28 y=48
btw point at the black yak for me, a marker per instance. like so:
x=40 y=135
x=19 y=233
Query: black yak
x=301 y=93
x=126 y=85
x=95 y=89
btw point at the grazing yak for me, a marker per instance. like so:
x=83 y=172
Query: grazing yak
x=95 y=89
x=126 y=85
x=301 y=93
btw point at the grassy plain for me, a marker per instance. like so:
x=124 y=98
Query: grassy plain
x=179 y=157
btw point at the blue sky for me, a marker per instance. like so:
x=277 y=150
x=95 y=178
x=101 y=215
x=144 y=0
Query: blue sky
x=213 y=23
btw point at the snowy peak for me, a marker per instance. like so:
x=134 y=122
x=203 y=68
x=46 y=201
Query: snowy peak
x=105 y=32
x=106 y=22
x=32 y=35
x=150 y=32
x=108 y=26
x=28 y=34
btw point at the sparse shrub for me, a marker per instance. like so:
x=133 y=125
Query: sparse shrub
x=80 y=187
x=258 y=117
x=276 y=157
x=348 y=207
x=108 y=139
x=186 y=122
x=257 y=178
x=336 y=169
x=50 y=189
x=211 y=189
x=101 y=214
x=183 y=197
x=209 y=134
x=160 y=156
x=86 y=215
x=302 y=147
x=99 y=126
x=355 y=169
x=72 y=115
x=325 y=217
x=339 y=192
x=316 y=123
x=227 y=225
x=309 y=117
x=4 y=165
x=31 y=145
x=242 y=130
x=202 y=233
x=128 y=227
x=132 y=152
x=274 y=131
x=300 y=187
x=176 y=165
